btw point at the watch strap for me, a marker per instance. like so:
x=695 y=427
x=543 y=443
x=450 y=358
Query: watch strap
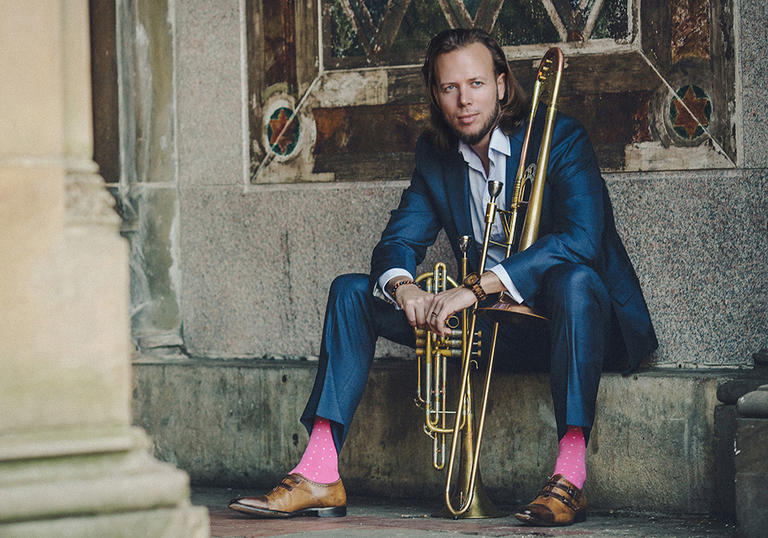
x=475 y=287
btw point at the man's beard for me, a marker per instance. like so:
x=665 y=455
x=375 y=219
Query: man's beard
x=472 y=139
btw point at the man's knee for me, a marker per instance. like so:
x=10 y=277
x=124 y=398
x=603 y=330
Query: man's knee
x=349 y=286
x=575 y=286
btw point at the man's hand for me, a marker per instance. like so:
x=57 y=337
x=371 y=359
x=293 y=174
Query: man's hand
x=445 y=304
x=448 y=302
x=415 y=302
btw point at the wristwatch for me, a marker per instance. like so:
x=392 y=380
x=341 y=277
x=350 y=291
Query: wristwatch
x=472 y=283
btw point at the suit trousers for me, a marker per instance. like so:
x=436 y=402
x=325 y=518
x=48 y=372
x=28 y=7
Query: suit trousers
x=574 y=297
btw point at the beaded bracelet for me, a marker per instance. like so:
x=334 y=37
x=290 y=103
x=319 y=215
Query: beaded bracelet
x=398 y=284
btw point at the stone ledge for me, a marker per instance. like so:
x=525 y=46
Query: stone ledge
x=230 y=422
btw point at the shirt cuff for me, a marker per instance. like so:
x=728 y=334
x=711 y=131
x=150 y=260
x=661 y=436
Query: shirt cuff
x=380 y=289
x=500 y=272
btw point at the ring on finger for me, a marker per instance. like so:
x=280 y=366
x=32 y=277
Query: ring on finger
x=434 y=314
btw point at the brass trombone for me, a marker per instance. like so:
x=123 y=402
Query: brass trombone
x=547 y=80
x=431 y=383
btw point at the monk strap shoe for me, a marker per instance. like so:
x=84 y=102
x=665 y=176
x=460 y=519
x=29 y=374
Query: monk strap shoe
x=558 y=503
x=295 y=495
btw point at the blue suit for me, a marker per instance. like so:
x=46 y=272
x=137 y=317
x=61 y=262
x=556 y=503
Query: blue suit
x=577 y=272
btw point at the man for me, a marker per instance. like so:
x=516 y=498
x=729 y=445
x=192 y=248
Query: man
x=577 y=272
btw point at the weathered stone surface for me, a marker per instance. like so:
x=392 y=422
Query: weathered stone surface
x=256 y=267
x=733 y=389
x=751 y=500
x=154 y=264
x=209 y=93
x=29 y=34
x=751 y=463
x=67 y=452
x=755 y=403
x=724 y=471
x=183 y=521
x=705 y=314
x=761 y=361
x=751 y=448
x=753 y=35
x=231 y=422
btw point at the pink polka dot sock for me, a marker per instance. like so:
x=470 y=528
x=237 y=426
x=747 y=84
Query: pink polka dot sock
x=320 y=463
x=571 y=455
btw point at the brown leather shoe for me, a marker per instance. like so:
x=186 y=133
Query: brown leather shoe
x=295 y=495
x=559 y=503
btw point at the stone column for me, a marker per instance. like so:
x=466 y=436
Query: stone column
x=70 y=463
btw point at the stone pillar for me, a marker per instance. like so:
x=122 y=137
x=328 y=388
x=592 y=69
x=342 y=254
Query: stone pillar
x=70 y=463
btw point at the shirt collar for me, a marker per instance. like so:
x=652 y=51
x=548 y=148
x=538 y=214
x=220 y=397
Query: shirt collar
x=499 y=144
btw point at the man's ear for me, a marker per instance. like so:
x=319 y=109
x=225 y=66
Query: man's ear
x=501 y=86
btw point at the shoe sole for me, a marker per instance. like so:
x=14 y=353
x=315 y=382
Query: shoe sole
x=579 y=517
x=332 y=511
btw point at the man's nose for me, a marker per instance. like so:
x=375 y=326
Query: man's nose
x=464 y=97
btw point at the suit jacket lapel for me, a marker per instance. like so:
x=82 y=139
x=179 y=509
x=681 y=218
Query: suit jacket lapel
x=513 y=161
x=457 y=191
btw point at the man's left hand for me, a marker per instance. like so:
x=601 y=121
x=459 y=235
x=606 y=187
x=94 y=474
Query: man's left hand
x=446 y=304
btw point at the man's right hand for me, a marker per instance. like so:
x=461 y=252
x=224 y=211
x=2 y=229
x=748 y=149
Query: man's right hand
x=415 y=302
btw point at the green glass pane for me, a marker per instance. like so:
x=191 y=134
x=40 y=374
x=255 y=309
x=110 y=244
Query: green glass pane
x=472 y=6
x=421 y=21
x=573 y=13
x=613 y=21
x=344 y=40
x=524 y=22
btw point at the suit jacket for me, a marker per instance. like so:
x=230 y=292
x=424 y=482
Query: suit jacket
x=576 y=224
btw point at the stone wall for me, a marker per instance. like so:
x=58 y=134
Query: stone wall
x=235 y=247
x=244 y=268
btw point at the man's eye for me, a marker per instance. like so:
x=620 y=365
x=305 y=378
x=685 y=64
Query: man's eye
x=477 y=83
x=448 y=87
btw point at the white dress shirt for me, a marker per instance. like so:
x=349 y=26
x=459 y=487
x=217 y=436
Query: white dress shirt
x=498 y=151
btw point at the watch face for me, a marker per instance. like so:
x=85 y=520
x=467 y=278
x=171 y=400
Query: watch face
x=471 y=279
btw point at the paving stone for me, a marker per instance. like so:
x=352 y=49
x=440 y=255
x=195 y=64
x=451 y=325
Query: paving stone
x=386 y=517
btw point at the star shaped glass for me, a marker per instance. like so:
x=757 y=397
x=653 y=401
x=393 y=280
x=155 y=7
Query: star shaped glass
x=690 y=112
x=283 y=131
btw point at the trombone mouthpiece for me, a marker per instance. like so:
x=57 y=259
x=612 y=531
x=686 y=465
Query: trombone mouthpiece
x=494 y=189
x=464 y=243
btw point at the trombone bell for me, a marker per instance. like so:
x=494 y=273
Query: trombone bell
x=508 y=311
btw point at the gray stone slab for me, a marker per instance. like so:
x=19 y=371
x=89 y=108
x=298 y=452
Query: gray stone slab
x=235 y=423
x=698 y=242
x=754 y=404
x=751 y=500
x=754 y=104
x=209 y=93
x=733 y=389
x=256 y=267
x=753 y=63
x=751 y=447
x=724 y=440
x=753 y=36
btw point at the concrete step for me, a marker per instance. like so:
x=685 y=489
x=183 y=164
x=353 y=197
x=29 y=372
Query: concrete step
x=235 y=422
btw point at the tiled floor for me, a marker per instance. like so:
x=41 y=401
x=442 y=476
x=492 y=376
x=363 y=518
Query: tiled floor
x=398 y=517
